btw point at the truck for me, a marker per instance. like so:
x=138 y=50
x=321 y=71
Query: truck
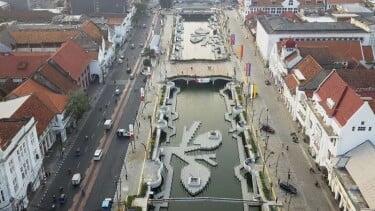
x=108 y=124
x=76 y=179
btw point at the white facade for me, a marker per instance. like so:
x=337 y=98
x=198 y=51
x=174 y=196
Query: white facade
x=265 y=42
x=20 y=168
x=285 y=6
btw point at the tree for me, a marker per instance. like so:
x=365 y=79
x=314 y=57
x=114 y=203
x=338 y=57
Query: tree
x=78 y=104
x=147 y=62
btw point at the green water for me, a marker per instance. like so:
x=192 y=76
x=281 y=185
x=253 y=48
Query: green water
x=204 y=103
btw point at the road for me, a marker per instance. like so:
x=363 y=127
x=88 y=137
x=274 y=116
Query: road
x=107 y=170
x=295 y=159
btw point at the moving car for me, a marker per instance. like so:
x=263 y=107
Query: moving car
x=267 y=128
x=121 y=132
x=76 y=179
x=117 y=92
x=98 y=154
x=132 y=46
x=128 y=70
x=108 y=124
x=288 y=188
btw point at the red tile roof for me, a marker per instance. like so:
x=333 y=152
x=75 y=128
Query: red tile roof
x=72 y=59
x=368 y=53
x=33 y=107
x=9 y=127
x=346 y=100
x=338 y=50
x=91 y=29
x=21 y=65
x=39 y=36
x=309 y=67
x=291 y=82
x=342 y=1
x=59 y=79
x=362 y=81
x=55 y=102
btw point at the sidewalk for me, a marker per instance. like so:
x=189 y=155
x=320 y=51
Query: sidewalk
x=287 y=161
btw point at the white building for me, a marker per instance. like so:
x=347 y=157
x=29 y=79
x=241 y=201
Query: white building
x=20 y=161
x=352 y=178
x=271 y=30
x=277 y=7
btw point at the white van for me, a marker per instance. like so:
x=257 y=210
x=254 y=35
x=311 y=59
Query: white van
x=108 y=124
x=98 y=154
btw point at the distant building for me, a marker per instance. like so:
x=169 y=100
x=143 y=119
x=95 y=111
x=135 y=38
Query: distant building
x=271 y=30
x=19 y=4
x=4 y=5
x=90 y=7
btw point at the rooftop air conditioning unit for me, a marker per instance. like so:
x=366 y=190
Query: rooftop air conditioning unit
x=330 y=103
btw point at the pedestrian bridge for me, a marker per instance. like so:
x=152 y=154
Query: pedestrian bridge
x=207 y=199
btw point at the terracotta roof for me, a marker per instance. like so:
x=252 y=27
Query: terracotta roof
x=277 y=3
x=291 y=82
x=21 y=65
x=346 y=101
x=40 y=36
x=92 y=30
x=362 y=81
x=60 y=80
x=93 y=55
x=368 y=53
x=9 y=127
x=72 y=59
x=308 y=67
x=344 y=50
x=343 y=1
x=55 y=102
x=112 y=21
x=33 y=107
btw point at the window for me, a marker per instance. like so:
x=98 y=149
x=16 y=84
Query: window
x=363 y=123
x=361 y=128
x=290 y=3
x=369 y=128
x=2 y=196
x=353 y=128
x=27 y=164
x=15 y=184
x=329 y=155
x=22 y=172
x=11 y=166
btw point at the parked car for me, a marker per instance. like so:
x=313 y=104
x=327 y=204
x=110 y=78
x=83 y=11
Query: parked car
x=267 y=82
x=117 y=91
x=62 y=199
x=267 y=128
x=132 y=46
x=288 y=188
x=128 y=70
x=107 y=204
x=121 y=132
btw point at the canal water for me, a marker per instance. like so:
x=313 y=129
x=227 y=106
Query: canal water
x=202 y=102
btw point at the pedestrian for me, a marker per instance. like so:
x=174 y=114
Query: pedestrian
x=287 y=147
x=278 y=181
x=126 y=176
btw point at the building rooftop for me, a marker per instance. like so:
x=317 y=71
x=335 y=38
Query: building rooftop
x=9 y=127
x=42 y=36
x=21 y=64
x=356 y=171
x=275 y=25
x=8 y=108
x=71 y=58
x=338 y=99
x=55 y=102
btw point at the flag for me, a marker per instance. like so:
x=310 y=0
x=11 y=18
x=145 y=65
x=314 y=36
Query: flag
x=232 y=39
x=247 y=69
x=241 y=52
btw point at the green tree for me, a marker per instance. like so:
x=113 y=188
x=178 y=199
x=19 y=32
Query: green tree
x=147 y=62
x=78 y=104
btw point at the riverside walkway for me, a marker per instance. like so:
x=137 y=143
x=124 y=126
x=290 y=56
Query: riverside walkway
x=210 y=199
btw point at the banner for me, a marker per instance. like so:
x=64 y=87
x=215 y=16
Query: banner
x=241 y=52
x=232 y=39
x=247 y=69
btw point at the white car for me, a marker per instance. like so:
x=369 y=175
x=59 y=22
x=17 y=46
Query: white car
x=117 y=92
x=98 y=154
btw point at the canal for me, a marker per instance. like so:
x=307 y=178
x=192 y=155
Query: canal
x=202 y=102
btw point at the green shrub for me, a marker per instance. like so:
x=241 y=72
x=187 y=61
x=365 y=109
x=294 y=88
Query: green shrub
x=265 y=189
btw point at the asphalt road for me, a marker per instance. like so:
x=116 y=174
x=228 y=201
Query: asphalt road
x=112 y=160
